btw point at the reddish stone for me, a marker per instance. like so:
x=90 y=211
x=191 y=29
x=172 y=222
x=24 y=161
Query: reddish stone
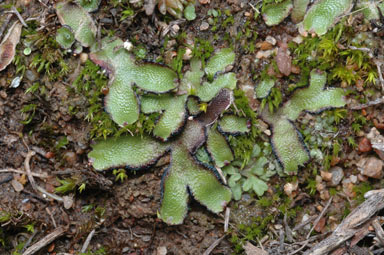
x=364 y=145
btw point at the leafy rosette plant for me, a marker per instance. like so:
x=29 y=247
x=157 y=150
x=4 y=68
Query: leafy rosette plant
x=286 y=140
x=186 y=174
x=188 y=115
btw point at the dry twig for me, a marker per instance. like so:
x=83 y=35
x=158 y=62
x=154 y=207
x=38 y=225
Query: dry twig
x=12 y=170
x=213 y=245
x=87 y=241
x=45 y=241
x=319 y=217
x=371 y=103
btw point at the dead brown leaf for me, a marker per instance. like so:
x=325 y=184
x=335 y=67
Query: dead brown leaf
x=8 y=45
x=283 y=60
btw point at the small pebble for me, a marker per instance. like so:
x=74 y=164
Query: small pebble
x=264 y=45
x=327 y=176
x=290 y=188
x=353 y=179
x=268 y=132
x=3 y=94
x=175 y=28
x=371 y=167
x=204 y=1
x=362 y=178
x=204 y=26
x=30 y=75
x=17 y=185
x=83 y=57
x=264 y=54
x=337 y=175
x=298 y=39
x=70 y=157
x=278 y=226
x=270 y=40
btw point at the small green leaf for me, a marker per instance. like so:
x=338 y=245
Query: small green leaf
x=219 y=148
x=233 y=179
x=189 y=12
x=219 y=61
x=131 y=151
x=231 y=124
x=323 y=14
x=263 y=89
x=259 y=186
x=81 y=23
x=236 y=191
x=89 y=5
x=65 y=37
x=256 y=150
x=275 y=13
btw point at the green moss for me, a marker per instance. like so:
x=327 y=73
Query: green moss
x=343 y=65
x=360 y=190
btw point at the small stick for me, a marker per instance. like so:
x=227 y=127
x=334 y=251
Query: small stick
x=87 y=241
x=32 y=181
x=45 y=241
x=319 y=217
x=27 y=167
x=15 y=11
x=371 y=103
x=226 y=219
x=29 y=241
x=297 y=227
x=19 y=16
x=299 y=249
x=213 y=245
x=378 y=65
x=11 y=170
x=50 y=214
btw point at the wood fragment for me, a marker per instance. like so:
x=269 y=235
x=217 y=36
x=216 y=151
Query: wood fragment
x=351 y=224
x=45 y=241
x=379 y=231
x=361 y=233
